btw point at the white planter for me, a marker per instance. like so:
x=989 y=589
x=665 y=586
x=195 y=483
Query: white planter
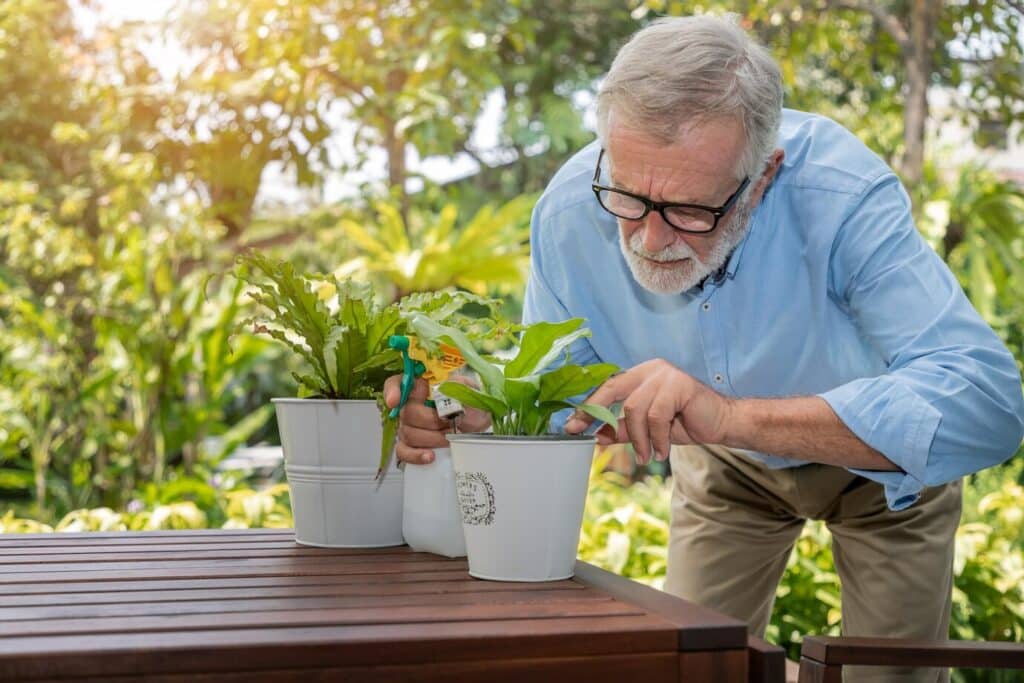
x=522 y=502
x=331 y=451
x=431 y=522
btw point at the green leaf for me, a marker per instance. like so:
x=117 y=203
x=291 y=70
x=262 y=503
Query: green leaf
x=385 y=360
x=541 y=419
x=387 y=444
x=541 y=345
x=572 y=380
x=475 y=399
x=521 y=396
x=599 y=412
x=239 y=433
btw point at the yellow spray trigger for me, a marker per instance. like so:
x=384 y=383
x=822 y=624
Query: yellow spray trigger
x=438 y=370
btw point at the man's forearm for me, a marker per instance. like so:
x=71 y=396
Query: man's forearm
x=806 y=428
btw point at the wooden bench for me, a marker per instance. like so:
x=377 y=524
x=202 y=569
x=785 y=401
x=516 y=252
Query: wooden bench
x=822 y=658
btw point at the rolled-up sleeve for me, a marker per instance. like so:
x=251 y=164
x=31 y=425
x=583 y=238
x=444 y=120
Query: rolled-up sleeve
x=950 y=402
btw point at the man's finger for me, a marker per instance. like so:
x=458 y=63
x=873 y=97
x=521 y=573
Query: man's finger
x=417 y=414
x=635 y=411
x=659 y=421
x=612 y=391
x=413 y=456
x=608 y=434
x=421 y=438
x=420 y=391
x=618 y=387
x=392 y=390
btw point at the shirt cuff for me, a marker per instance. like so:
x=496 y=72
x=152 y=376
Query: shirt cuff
x=888 y=416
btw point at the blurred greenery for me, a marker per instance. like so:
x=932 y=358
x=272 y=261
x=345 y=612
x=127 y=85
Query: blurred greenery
x=139 y=157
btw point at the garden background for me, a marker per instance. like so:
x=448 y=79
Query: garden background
x=404 y=143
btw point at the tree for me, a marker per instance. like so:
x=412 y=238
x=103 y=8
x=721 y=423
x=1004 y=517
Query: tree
x=271 y=81
x=872 y=64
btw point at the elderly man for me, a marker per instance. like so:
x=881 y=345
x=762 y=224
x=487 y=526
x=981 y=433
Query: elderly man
x=758 y=272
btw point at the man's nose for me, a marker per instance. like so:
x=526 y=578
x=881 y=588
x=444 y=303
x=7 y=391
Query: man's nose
x=657 y=233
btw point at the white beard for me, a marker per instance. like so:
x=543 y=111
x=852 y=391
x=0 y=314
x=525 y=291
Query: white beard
x=690 y=270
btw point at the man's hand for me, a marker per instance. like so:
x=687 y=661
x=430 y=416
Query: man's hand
x=662 y=405
x=420 y=429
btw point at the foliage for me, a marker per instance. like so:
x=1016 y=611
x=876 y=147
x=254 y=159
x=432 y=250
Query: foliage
x=115 y=364
x=977 y=220
x=522 y=394
x=870 y=64
x=488 y=253
x=240 y=508
x=625 y=526
x=341 y=332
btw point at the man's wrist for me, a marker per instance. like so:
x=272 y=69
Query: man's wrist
x=739 y=423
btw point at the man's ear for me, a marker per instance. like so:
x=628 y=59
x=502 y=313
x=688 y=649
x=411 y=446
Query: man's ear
x=771 y=168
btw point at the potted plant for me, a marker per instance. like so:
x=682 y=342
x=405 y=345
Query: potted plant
x=337 y=435
x=522 y=489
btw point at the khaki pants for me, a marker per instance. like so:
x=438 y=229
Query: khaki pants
x=734 y=522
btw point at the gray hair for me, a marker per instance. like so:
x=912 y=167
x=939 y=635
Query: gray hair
x=685 y=70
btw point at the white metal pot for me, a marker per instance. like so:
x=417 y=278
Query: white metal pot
x=331 y=451
x=522 y=502
x=431 y=522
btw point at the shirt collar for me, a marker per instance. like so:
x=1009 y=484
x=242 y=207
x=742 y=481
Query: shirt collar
x=733 y=262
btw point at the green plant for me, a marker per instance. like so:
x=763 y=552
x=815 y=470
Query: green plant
x=522 y=394
x=431 y=252
x=625 y=527
x=342 y=333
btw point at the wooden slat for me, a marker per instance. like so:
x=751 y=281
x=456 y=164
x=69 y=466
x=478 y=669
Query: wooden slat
x=72 y=552
x=360 y=615
x=17 y=562
x=319 y=647
x=12 y=616
x=698 y=627
x=130 y=537
x=198 y=570
x=901 y=652
x=272 y=579
x=649 y=668
x=299 y=589
x=155 y=563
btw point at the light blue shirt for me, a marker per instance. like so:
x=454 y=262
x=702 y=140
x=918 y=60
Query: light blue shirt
x=832 y=293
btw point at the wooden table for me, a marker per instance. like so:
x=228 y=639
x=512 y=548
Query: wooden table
x=252 y=605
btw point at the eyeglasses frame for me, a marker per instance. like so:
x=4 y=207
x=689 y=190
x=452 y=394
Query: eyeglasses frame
x=650 y=205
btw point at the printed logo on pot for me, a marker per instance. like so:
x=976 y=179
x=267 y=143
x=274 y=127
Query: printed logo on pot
x=476 y=498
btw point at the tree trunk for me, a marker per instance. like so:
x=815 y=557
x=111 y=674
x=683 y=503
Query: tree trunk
x=919 y=63
x=395 y=143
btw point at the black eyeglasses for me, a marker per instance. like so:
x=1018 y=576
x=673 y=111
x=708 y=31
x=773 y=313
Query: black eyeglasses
x=694 y=218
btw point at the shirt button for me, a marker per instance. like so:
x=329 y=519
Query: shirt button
x=706 y=306
x=718 y=378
